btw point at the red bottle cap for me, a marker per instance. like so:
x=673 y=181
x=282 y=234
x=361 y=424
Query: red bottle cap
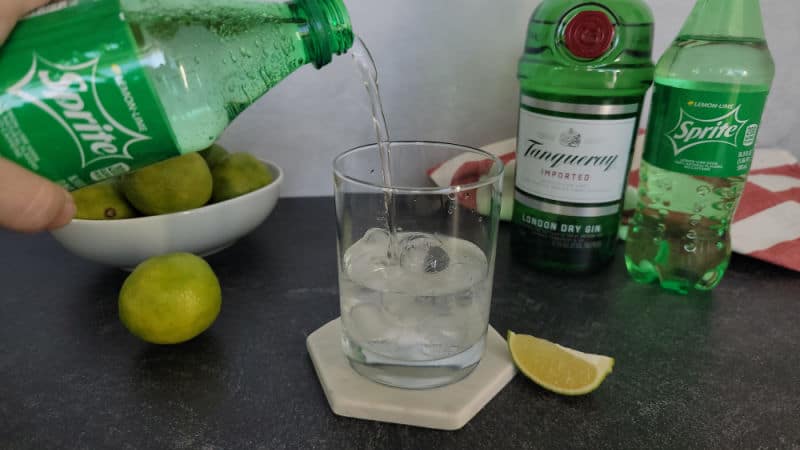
x=589 y=34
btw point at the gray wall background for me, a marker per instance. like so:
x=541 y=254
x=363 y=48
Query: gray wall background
x=447 y=72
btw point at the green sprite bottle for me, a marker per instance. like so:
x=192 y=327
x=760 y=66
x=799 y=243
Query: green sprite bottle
x=586 y=68
x=710 y=90
x=91 y=89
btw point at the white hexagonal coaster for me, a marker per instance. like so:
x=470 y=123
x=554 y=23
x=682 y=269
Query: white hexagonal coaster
x=446 y=408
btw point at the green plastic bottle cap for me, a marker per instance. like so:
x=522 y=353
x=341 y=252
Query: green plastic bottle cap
x=589 y=34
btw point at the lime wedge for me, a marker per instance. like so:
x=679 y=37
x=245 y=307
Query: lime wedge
x=556 y=368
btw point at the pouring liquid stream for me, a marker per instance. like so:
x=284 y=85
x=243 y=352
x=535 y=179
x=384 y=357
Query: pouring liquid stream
x=414 y=304
x=369 y=75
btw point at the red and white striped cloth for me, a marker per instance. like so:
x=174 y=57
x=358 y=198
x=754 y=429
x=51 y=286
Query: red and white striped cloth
x=767 y=222
x=469 y=168
x=766 y=225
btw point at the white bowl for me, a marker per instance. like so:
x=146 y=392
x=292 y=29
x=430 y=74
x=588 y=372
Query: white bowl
x=203 y=231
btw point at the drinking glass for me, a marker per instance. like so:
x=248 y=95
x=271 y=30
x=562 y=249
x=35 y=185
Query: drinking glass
x=416 y=259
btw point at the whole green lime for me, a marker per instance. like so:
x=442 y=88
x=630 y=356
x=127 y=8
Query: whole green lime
x=102 y=201
x=237 y=175
x=214 y=154
x=177 y=184
x=170 y=299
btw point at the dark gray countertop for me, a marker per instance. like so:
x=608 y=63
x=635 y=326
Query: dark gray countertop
x=714 y=371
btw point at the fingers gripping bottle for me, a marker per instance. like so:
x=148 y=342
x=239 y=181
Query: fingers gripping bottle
x=91 y=89
x=710 y=90
x=586 y=68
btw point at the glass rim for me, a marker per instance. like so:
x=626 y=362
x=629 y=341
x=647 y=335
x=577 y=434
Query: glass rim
x=490 y=179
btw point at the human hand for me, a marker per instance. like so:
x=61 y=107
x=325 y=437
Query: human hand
x=13 y=10
x=28 y=202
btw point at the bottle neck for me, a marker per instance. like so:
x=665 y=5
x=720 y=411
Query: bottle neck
x=328 y=29
x=725 y=18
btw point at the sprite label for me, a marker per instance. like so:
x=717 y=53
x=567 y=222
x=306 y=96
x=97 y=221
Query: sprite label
x=703 y=133
x=78 y=107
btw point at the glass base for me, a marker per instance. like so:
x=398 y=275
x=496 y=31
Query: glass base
x=419 y=374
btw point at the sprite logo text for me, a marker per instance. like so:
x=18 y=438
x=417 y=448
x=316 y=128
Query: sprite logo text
x=68 y=94
x=703 y=133
x=76 y=103
x=691 y=131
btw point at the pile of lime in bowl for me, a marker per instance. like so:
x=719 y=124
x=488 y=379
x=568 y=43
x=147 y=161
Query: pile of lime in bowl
x=178 y=184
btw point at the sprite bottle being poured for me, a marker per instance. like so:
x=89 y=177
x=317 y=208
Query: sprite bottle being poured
x=710 y=90
x=91 y=89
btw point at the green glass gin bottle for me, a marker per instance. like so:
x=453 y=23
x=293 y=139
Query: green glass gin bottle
x=90 y=89
x=710 y=89
x=586 y=68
